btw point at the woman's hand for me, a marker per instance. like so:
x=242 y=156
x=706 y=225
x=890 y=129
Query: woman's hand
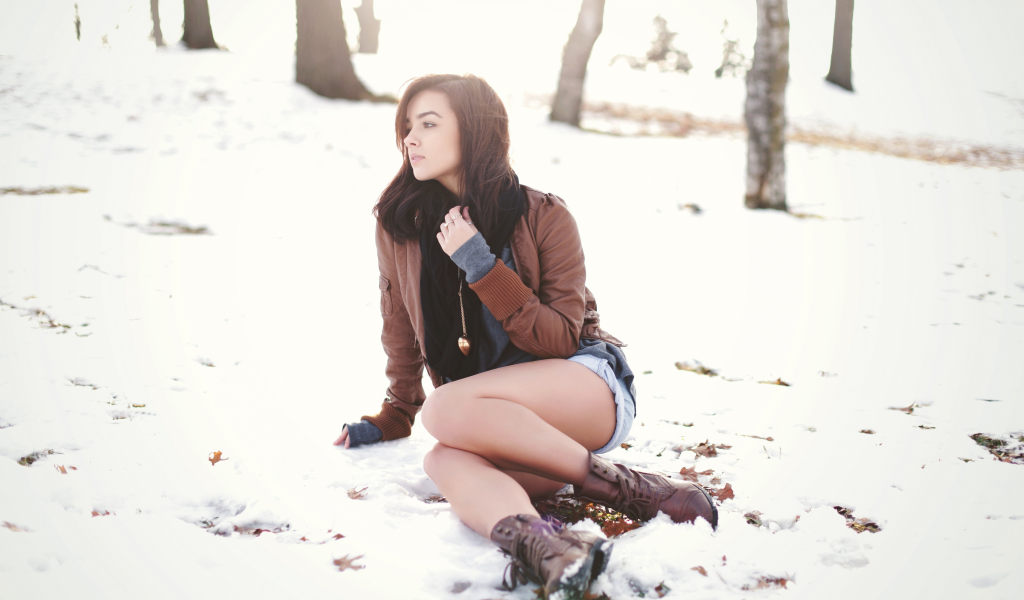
x=343 y=438
x=455 y=231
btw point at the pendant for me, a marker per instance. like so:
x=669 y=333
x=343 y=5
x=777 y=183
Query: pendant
x=464 y=345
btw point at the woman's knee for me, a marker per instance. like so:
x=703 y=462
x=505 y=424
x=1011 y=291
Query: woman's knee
x=439 y=415
x=435 y=458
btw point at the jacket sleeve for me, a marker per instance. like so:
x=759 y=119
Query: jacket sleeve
x=546 y=324
x=404 y=369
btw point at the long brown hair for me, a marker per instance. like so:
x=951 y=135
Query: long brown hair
x=484 y=169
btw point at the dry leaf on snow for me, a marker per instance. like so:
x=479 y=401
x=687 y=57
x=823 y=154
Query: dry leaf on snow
x=700 y=570
x=692 y=473
x=765 y=582
x=61 y=468
x=101 y=514
x=13 y=527
x=355 y=494
x=907 y=409
x=215 y=457
x=869 y=431
x=346 y=563
x=704 y=449
x=778 y=381
x=723 y=494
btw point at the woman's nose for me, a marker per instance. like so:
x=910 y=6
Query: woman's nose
x=410 y=140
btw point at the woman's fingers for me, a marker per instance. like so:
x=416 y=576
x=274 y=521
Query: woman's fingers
x=343 y=438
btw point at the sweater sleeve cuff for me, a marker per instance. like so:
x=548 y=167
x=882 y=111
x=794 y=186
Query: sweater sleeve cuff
x=474 y=257
x=502 y=291
x=393 y=423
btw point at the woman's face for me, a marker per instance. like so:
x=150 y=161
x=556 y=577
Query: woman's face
x=433 y=139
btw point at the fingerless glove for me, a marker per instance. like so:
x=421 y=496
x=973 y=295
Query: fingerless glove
x=363 y=432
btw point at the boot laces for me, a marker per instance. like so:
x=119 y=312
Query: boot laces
x=637 y=497
x=528 y=551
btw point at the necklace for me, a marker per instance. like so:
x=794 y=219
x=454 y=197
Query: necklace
x=464 y=345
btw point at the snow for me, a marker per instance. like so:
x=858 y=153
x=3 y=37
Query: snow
x=260 y=338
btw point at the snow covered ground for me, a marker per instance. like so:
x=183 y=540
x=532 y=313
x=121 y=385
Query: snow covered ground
x=133 y=350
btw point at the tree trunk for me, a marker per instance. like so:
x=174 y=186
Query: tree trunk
x=198 y=33
x=157 y=34
x=322 y=59
x=765 y=109
x=569 y=97
x=839 y=71
x=369 y=28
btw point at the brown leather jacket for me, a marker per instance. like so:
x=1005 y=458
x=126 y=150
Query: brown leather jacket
x=544 y=306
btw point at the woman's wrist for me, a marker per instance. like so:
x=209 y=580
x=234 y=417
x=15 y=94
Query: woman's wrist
x=474 y=257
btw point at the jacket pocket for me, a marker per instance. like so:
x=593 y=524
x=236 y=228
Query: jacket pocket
x=386 y=305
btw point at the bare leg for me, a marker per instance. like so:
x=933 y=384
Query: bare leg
x=539 y=419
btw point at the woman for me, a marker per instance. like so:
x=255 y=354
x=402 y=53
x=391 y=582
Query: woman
x=483 y=280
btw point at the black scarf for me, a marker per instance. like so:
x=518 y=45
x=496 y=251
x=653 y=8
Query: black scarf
x=440 y=277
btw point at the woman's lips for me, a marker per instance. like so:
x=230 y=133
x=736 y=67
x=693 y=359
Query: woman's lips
x=415 y=158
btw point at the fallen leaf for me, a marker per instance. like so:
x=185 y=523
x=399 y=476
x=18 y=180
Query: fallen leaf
x=765 y=582
x=73 y=468
x=716 y=480
x=303 y=539
x=870 y=431
x=13 y=527
x=700 y=570
x=355 y=494
x=215 y=457
x=753 y=518
x=925 y=427
x=723 y=447
x=337 y=536
x=661 y=589
x=61 y=468
x=723 y=494
x=619 y=526
x=906 y=409
x=625 y=446
x=778 y=381
x=101 y=514
x=858 y=525
x=346 y=563
x=704 y=449
x=692 y=473
x=696 y=367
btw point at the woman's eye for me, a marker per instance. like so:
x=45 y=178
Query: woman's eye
x=428 y=125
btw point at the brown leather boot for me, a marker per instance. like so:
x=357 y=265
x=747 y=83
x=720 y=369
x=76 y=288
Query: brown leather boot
x=640 y=496
x=563 y=562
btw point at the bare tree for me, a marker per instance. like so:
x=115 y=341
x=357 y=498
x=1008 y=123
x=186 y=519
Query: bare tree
x=322 y=59
x=569 y=97
x=839 y=72
x=198 y=33
x=369 y=28
x=765 y=109
x=157 y=35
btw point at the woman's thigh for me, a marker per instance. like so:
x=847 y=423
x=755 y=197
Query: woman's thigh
x=566 y=395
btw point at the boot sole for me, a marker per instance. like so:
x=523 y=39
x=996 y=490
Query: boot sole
x=714 y=509
x=601 y=553
x=575 y=587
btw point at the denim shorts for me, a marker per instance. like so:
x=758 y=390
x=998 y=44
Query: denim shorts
x=625 y=403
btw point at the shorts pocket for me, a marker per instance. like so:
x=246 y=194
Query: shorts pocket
x=385 y=297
